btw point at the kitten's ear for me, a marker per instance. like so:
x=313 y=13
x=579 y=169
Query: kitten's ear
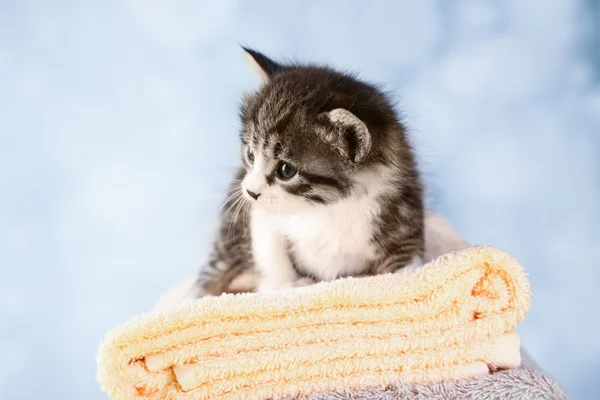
x=348 y=134
x=262 y=64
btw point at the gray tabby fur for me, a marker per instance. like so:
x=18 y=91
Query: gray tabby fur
x=353 y=204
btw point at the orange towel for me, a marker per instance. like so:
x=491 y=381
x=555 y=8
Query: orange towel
x=454 y=318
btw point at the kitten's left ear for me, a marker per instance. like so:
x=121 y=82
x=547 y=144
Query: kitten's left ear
x=348 y=134
x=265 y=67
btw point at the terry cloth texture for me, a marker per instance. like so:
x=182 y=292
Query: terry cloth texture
x=526 y=382
x=454 y=318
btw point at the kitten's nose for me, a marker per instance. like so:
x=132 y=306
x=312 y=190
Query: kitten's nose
x=252 y=194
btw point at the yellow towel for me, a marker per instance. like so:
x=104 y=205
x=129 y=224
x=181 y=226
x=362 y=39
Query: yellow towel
x=451 y=319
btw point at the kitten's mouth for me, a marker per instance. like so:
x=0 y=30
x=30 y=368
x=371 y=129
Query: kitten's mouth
x=268 y=204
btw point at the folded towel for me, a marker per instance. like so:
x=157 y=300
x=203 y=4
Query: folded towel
x=454 y=318
x=526 y=382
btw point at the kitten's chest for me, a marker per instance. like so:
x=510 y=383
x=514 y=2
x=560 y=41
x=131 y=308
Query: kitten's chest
x=334 y=241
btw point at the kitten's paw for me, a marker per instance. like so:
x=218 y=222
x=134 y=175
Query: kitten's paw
x=304 y=282
x=300 y=282
x=267 y=287
x=415 y=264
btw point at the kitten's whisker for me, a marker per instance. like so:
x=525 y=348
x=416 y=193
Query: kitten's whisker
x=229 y=210
x=246 y=210
x=234 y=220
x=233 y=196
x=231 y=217
x=225 y=214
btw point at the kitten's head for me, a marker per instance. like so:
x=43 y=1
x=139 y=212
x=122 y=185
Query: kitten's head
x=312 y=136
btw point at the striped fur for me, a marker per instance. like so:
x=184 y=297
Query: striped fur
x=328 y=185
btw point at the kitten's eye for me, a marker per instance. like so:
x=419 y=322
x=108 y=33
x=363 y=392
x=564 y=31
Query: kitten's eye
x=250 y=155
x=286 y=171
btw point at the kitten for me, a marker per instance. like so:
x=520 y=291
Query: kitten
x=328 y=188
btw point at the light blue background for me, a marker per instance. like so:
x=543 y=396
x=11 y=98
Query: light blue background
x=118 y=134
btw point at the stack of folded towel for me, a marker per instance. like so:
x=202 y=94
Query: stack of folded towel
x=451 y=320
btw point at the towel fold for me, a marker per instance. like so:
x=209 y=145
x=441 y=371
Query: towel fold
x=454 y=318
x=526 y=382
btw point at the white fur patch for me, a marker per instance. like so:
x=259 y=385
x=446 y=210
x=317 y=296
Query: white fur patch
x=441 y=237
x=255 y=180
x=269 y=252
x=335 y=240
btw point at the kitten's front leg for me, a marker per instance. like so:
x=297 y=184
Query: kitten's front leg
x=300 y=282
x=415 y=263
x=270 y=255
x=397 y=264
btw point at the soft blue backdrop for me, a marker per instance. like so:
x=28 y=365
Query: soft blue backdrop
x=118 y=134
